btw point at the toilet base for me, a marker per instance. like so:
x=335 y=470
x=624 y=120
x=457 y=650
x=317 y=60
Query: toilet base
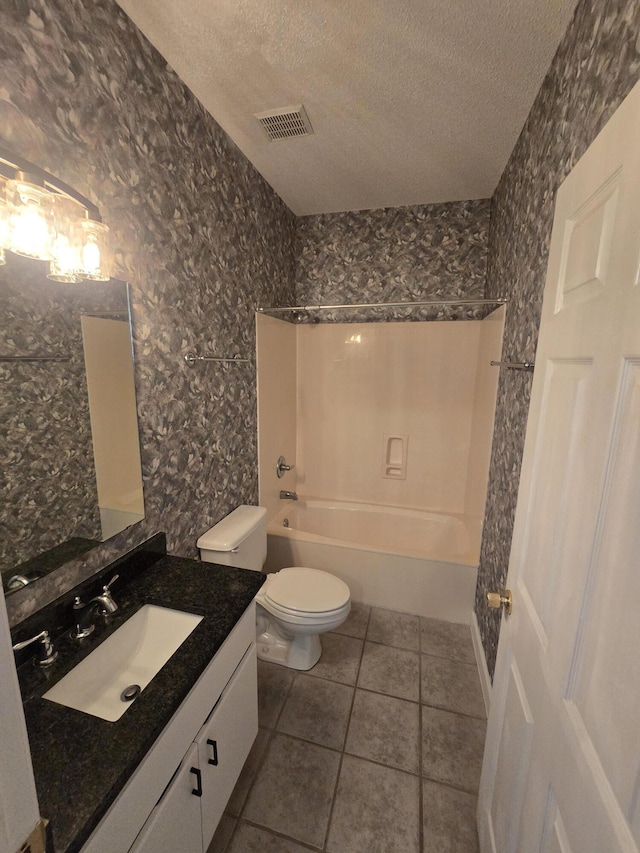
x=300 y=652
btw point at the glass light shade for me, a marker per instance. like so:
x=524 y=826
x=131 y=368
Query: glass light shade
x=30 y=219
x=4 y=227
x=96 y=257
x=5 y=233
x=66 y=262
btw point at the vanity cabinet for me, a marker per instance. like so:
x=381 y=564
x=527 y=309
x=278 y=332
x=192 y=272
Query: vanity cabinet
x=187 y=814
x=176 y=797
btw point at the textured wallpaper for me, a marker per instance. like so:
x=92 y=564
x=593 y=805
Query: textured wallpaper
x=595 y=67
x=403 y=254
x=197 y=231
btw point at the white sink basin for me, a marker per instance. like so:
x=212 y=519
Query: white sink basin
x=132 y=655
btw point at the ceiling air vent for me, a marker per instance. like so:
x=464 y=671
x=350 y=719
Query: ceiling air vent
x=286 y=122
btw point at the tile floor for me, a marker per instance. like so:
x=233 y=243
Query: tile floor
x=377 y=749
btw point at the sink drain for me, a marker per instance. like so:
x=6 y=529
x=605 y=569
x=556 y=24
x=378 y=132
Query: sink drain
x=129 y=693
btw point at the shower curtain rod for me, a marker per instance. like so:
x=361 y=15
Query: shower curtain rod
x=431 y=303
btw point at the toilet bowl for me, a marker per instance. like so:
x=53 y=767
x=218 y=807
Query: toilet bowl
x=298 y=604
x=294 y=606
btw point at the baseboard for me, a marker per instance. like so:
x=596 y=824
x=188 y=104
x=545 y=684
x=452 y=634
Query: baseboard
x=481 y=661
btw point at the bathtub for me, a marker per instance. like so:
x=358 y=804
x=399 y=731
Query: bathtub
x=404 y=559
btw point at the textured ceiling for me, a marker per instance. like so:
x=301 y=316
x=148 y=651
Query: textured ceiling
x=411 y=101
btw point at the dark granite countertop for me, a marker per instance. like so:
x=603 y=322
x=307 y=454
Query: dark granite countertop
x=82 y=762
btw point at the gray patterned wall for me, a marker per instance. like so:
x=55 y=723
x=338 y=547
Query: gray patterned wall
x=198 y=233
x=402 y=254
x=596 y=65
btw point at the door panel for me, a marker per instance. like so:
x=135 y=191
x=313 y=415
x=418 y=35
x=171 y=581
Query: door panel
x=175 y=823
x=605 y=684
x=587 y=247
x=559 y=472
x=513 y=759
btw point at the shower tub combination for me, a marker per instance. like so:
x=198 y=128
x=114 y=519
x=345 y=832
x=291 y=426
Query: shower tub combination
x=403 y=559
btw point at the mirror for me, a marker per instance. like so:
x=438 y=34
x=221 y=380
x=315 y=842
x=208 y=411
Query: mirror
x=71 y=475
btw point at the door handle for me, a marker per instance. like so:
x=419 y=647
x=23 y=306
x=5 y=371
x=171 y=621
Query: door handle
x=214 y=751
x=504 y=599
x=198 y=789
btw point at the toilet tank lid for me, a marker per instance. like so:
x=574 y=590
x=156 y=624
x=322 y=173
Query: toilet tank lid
x=233 y=529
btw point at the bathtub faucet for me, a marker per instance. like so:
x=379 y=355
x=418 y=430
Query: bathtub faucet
x=285 y=495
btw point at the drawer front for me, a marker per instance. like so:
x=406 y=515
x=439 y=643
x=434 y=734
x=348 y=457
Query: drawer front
x=225 y=740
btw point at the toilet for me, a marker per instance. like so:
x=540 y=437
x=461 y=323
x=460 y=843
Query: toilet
x=294 y=605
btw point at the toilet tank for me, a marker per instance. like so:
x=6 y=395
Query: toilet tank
x=240 y=539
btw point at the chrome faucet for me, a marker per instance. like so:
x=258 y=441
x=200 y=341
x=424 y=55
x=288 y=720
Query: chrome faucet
x=285 y=495
x=18 y=581
x=84 y=613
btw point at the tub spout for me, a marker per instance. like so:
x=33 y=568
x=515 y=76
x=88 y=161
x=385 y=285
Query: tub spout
x=285 y=495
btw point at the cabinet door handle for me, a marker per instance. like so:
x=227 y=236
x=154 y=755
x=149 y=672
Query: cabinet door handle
x=214 y=749
x=198 y=789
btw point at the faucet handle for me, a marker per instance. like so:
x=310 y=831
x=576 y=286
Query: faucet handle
x=107 y=587
x=282 y=467
x=46 y=653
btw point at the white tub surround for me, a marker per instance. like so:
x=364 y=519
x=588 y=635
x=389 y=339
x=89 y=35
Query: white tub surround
x=404 y=559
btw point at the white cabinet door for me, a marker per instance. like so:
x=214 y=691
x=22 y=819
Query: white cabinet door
x=562 y=764
x=175 y=823
x=225 y=740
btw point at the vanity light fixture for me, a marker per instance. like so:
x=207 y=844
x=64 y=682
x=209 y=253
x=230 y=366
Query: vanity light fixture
x=41 y=217
x=30 y=217
x=4 y=227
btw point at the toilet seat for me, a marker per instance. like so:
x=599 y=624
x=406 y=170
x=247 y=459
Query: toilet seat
x=306 y=593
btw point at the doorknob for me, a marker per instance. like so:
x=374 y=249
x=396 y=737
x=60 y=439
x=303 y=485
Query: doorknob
x=501 y=599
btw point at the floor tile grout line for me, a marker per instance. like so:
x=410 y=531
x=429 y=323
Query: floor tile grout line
x=279 y=834
x=394 y=645
x=342 y=751
x=348 y=752
x=394 y=695
x=344 y=744
x=263 y=758
x=388 y=695
x=451 y=785
x=452 y=711
x=449 y=659
x=381 y=764
x=289 y=689
x=457 y=713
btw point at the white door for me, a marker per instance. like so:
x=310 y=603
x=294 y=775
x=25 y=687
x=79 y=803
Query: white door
x=562 y=760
